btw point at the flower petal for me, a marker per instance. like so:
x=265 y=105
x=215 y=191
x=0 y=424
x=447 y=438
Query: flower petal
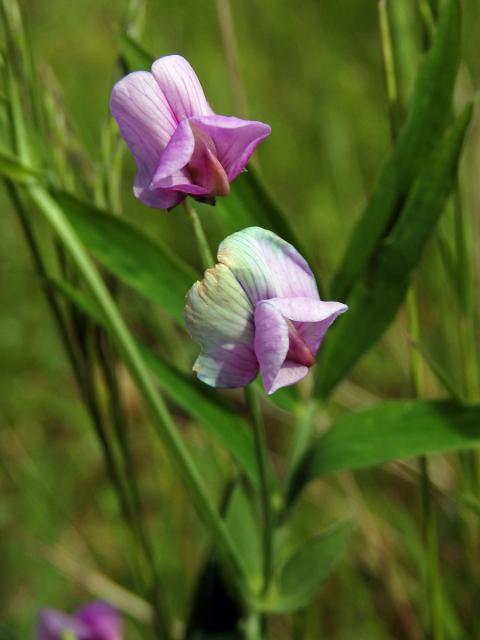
x=159 y=198
x=312 y=317
x=235 y=139
x=176 y=154
x=266 y=266
x=146 y=123
x=181 y=87
x=219 y=317
x=181 y=182
x=271 y=348
x=52 y=624
x=102 y=619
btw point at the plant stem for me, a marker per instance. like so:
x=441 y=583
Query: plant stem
x=162 y=421
x=200 y=237
x=229 y=41
x=434 y=628
x=389 y=68
x=261 y=452
x=434 y=622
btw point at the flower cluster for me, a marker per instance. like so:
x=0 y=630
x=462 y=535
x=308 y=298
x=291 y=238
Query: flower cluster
x=94 y=621
x=258 y=308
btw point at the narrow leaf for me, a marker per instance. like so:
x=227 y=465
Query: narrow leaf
x=428 y=115
x=389 y=431
x=308 y=567
x=379 y=293
x=147 y=266
x=250 y=204
x=133 y=55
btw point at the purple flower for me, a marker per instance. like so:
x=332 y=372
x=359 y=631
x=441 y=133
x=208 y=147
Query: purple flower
x=94 y=621
x=180 y=145
x=258 y=308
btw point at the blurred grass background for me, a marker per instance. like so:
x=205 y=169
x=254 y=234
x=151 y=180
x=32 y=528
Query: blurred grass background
x=313 y=70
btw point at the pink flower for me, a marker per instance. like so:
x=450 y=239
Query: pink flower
x=181 y=147
x=258 y=308
x=94 y=621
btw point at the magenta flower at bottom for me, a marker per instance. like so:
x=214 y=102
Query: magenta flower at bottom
x=94 y=621
x=258 y=308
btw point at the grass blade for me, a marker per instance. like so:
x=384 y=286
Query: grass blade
x=429 y=114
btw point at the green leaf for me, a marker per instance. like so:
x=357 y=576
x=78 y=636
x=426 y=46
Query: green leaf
x=378 y=295
x=386 y=432
x=428 y=116
x=133 y=55
x=307 y=568
x=218 y=418
x=249 y=204
x=147 y=266
x=204 y=404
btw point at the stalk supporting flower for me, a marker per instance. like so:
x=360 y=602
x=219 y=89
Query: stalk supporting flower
x=181 y=147
x=258 y=308
x=261 y=451
x=200 y=237
x=94 y=621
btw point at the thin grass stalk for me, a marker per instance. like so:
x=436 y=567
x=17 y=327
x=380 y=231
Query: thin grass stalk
x=389 y=68
x=74 y=357
x=162 y=421
x=434 y=622
x=434 y=628
x=230 y=48
x=154 y=588
x=71 y=336
x=113 y=153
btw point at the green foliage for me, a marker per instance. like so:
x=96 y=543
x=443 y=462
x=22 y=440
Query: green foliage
x=144 y=264
x=217 y=417
x=429 y=113
x=378 y=294
x=389 y=431
x=339 y=144
x=307 y=568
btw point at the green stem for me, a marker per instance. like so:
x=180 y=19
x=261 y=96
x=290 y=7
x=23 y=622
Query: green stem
x=389 y=68
x=229 y=41
x=466 y=290
x=434 y=621
x=161 y=418
x=434 y=627
x=261 y=452
x=200 y=237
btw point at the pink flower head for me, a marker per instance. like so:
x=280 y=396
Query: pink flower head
x=180 y=145
x=258 y=308
x=94 y=621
